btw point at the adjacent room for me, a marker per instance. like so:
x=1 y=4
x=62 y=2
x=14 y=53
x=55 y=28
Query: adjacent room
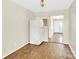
x=39 y=29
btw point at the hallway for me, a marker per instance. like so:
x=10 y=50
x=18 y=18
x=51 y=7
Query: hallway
x=43 y=51
x=35 y=30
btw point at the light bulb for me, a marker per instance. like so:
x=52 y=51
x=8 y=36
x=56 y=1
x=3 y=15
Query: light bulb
x=42 y=3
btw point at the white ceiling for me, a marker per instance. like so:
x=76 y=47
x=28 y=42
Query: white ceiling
x=50 y=5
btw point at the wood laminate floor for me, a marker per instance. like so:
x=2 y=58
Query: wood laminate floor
x=43 y=51
x=57 y=38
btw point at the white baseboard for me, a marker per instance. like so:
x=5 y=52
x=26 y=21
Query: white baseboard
x=72 y=50
x=36 y=43
x=13 y=50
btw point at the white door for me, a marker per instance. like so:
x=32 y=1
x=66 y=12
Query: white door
x=35 y=32
x=58 y=26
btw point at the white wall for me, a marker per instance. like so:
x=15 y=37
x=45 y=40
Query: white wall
x=72 y=27
x=50 y=26
x=15 y=27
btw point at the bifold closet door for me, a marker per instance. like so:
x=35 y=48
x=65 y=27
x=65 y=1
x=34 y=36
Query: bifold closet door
x=35 y=32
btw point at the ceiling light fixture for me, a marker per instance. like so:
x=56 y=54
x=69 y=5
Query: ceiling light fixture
x=42 y=3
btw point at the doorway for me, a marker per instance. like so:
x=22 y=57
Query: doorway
x=57 y=29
